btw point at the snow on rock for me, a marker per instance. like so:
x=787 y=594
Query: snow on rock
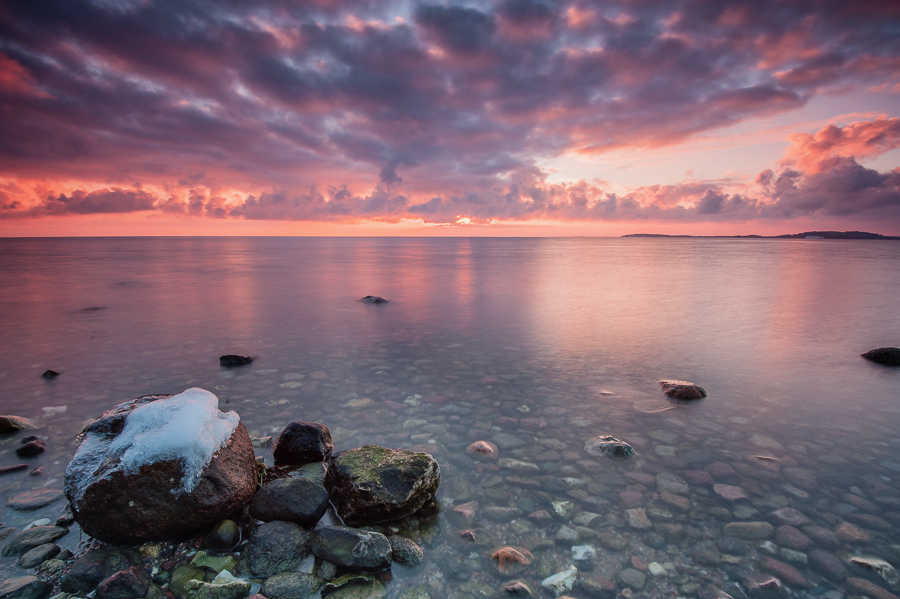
x=161 y=458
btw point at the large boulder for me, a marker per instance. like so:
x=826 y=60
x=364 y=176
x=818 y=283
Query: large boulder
x=303 y=443
x=374 y=484
x=351 y=547
x=160 y=467
x=889 y=356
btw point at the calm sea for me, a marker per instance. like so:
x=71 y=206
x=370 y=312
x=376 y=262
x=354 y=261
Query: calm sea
x=568 y=335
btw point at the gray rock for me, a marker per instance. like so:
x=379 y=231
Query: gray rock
x=406 y=552
x=610 y=446
x=32 y=500
x=94 y=566
x=25 y=587
x=275 y=547
x=507 y=441
x=223 y=586
x=292 y=500
x=291 y=585
x=223 y=537
x=31 y=538
x=374 y=484
x=633 y=579
x=561 y=582
x=351 y=547
x=749 y=531
x=517 y=588
x=666 y=482
x=37 y=556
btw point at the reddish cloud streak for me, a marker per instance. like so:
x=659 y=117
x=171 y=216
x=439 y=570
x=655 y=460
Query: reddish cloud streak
x=341 y=111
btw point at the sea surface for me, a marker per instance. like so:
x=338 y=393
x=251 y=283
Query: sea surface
x=537 y=345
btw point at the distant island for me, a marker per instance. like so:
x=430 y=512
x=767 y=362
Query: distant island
x=807 y=235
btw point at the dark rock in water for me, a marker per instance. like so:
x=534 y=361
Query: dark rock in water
x=38 y=555
x=682 y=390
x=517 y=588
x=373 y=299
x=889 y=356
x=12 y=424
x=49 y=375
x=94 y=566
x=66 y=518
x=291 y=585
x=828 y=565
x=293 y=500
x=25 y=587
x=606 y=445
x=303 y=443
x=125 y=584
x=406 y=552
x=31 y=449
x=275 y=547
x=160 y=498
x=231 y=360
x=759 y=584
x=374 y=484
x=13 y=468
x=31 y=538
x=351 y=547
x=869 y=589
x=223 y=537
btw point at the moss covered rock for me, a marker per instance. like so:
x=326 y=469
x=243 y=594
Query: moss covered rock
x=374 y=484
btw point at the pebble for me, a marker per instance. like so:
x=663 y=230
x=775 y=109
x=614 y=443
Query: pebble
x=749 y=531
x=633 y=579
x=849 y=533
x=583 y=552
x=637 y=518
x=561 y=582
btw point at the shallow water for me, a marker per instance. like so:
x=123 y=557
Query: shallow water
x=554 y=341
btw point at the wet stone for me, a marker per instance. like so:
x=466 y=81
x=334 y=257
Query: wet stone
x=828 y=565
x=749 y=531
x=275 y=547
x=667 y=482
x=822 y=536
x=125 y=584
x=613 y=541
x=698 y=477
x=27 y=540
x=785 y=572
x=789 y=536
x=609 y=446
x=729 y=492
x=880 y=568
x=223 y=537
x=561 y=582
x=32 y=500
x=25 y=587
x=38 y=555
x=760 y=584
x=517 y=588
x=637 y=518
x=869 y=589
x=507 y=441
x=405 y=551
x=723 y=473
x=632 y=579
x=849 y=533
x=501 y=514
x=291 y=585
x=789 y=516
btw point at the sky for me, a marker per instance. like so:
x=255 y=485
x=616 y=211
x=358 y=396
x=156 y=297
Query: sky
x=509 y=117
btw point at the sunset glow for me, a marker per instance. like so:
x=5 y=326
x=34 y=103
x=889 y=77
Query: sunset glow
x=508 y=118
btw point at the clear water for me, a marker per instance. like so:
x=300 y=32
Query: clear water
x=576 y=332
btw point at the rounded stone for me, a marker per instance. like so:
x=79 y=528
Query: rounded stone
x=275 y=547
x=889 y=356
x=633 y=579
x=302 y=443
x=406 y=552
x=684 y=390
x=291 y=585
x=291 y=499
x=351 y=547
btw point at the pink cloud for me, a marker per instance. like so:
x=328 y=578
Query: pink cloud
x=815 y=152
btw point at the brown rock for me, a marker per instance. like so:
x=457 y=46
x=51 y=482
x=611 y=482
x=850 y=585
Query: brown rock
x=785 y=572
x=848 y=533
x=12 y=424
x=864 y=587
x=682 y=390
x=146 y=509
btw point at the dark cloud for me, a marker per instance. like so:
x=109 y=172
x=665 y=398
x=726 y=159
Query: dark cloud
x=454 y=103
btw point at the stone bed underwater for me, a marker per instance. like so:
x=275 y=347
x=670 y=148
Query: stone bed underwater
x=179 y=505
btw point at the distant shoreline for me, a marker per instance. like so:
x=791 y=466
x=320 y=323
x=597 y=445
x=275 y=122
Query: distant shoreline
x=807 y=235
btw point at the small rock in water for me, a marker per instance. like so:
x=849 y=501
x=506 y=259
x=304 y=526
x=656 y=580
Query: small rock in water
x=517 y=588
x=232 y=360
x=293 y=500
x=561 y=582
x=512 y=560
x=881 y=568
x=25 y=587
x=869 y=589
x=405 y=551
x=31 y=449
x=889 y=356
x=303 y=443
x=682 y=389
x=38 y=555
x=32 y=500
x=484 y=449
x=351 y=547
x=223 y=537
x=582 y=553
x=632 y=579
x=373 y=299
x=49 y=375
x=605 y=444
x=13 y=468
x=12 y=424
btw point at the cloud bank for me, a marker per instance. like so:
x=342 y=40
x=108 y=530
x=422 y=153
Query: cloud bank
x=341 y=111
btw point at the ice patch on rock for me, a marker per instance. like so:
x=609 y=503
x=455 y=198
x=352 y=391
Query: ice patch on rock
x=188 y=427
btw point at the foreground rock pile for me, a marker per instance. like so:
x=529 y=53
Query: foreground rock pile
x=123 y=493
